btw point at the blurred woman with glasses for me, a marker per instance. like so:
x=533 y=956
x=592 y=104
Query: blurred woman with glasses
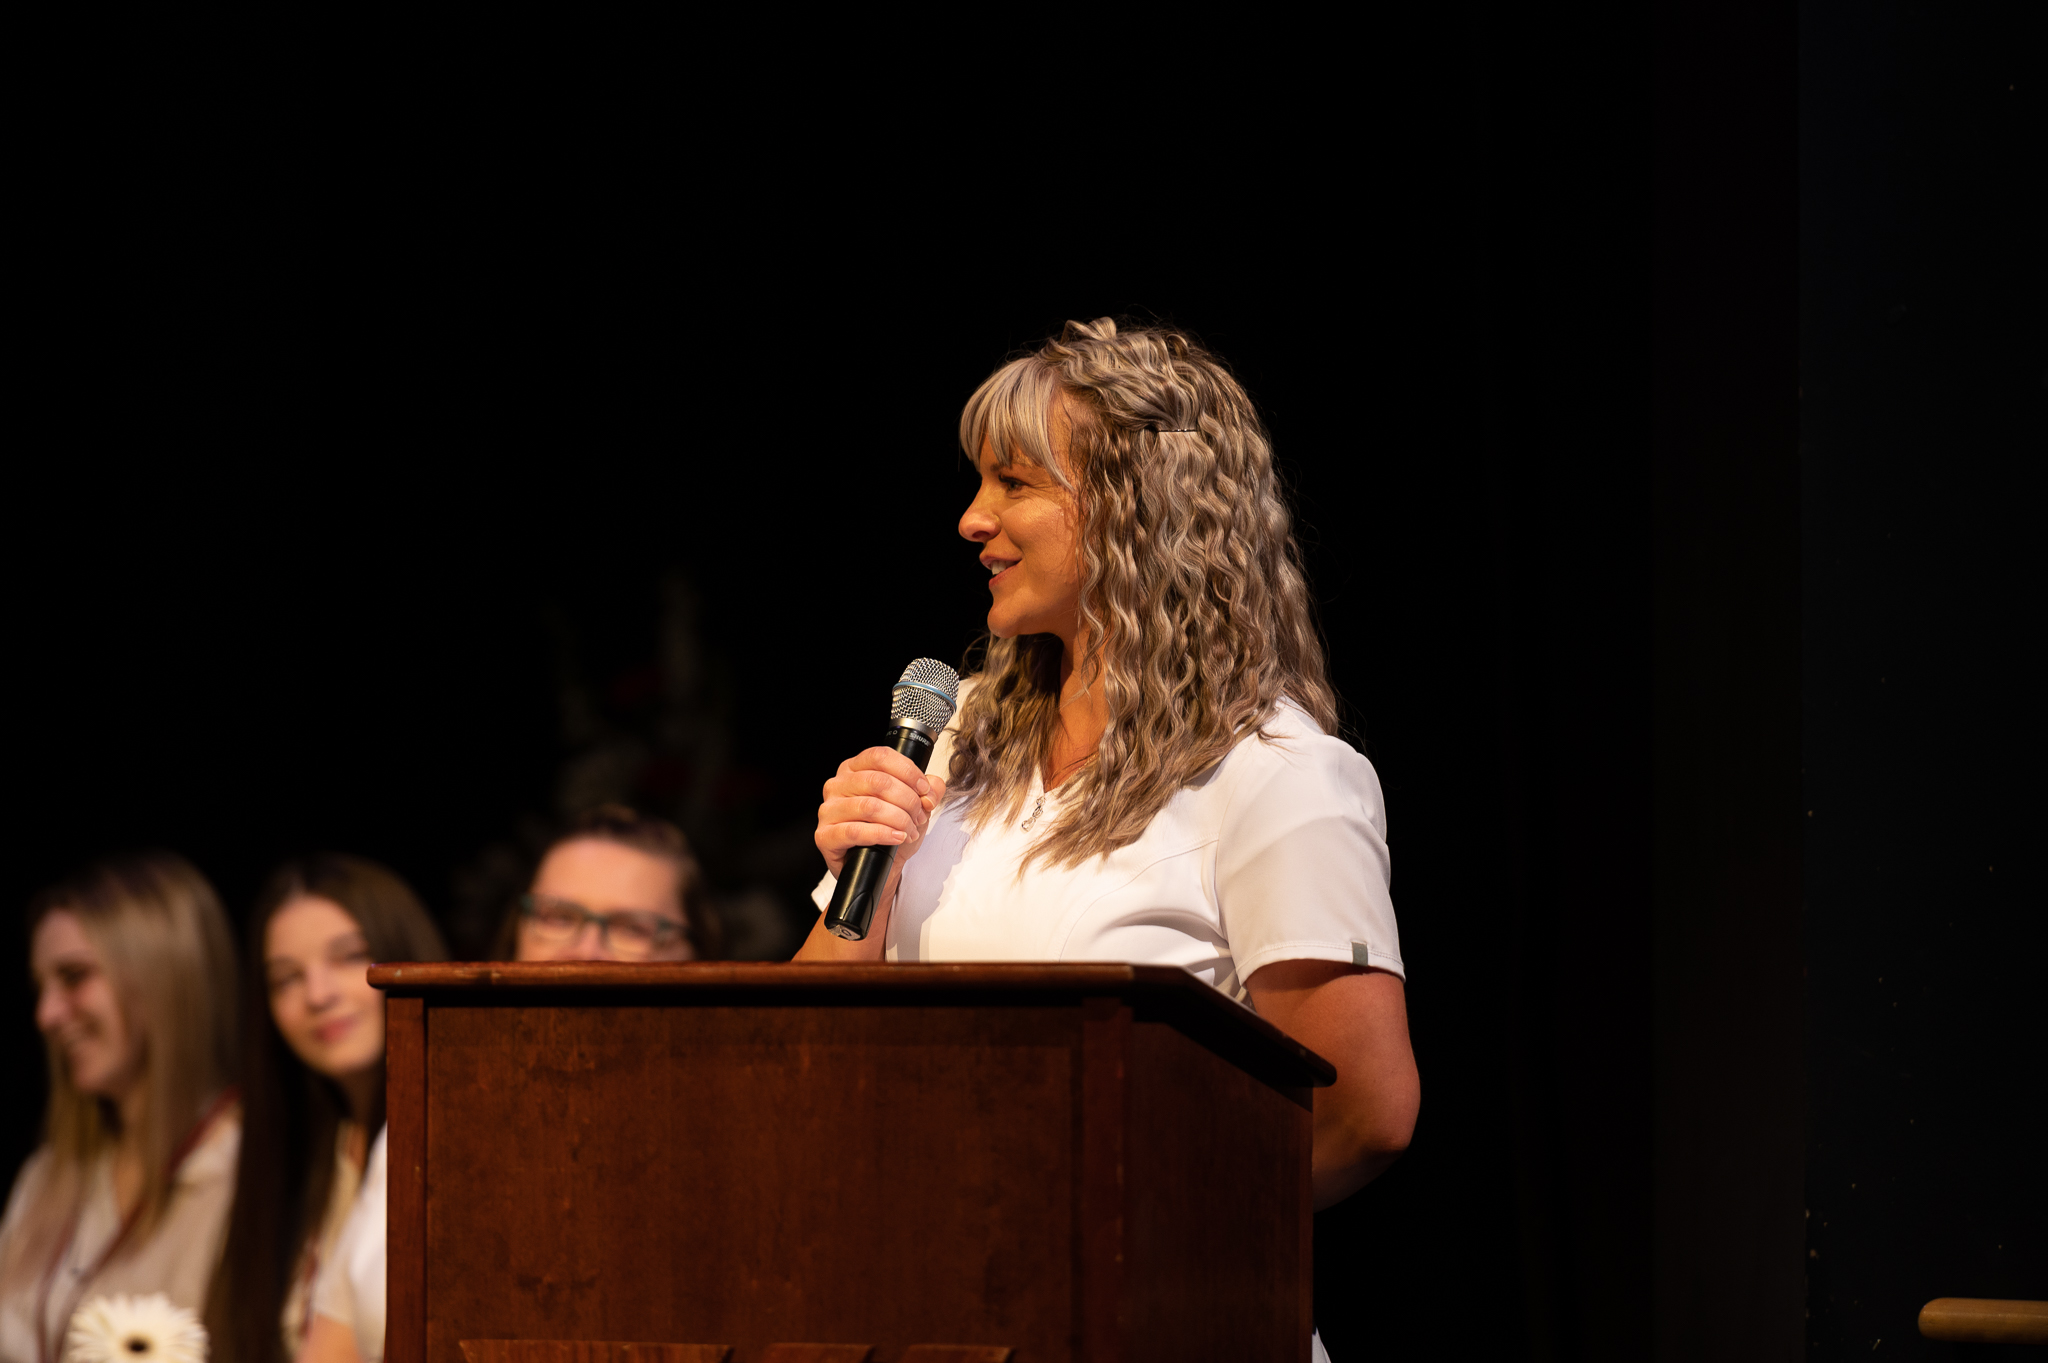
x=616 y=886
x=293 y=1284
x=134 y=970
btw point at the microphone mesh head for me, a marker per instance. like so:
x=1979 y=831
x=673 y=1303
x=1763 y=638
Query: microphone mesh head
x=926 y=692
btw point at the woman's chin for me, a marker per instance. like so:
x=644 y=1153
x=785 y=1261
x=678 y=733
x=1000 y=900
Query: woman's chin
x=100 y=1081
x=345 y=1063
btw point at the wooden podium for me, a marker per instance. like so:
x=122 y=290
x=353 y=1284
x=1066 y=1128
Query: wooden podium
x=1097 y=1162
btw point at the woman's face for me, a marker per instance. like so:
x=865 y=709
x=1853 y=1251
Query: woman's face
x=317 y=962
x=1029 y=532
x=78 y=1010
x=602 y=877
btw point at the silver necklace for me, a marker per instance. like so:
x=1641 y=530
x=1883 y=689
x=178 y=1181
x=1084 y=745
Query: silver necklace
x=1039 y=808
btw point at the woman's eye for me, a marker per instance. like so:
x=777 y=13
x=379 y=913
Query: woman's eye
x=280 y=983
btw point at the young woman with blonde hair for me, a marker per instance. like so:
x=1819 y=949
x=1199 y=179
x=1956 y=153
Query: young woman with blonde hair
x=1145 y=766
x=313 y=1095
x=130 y=1190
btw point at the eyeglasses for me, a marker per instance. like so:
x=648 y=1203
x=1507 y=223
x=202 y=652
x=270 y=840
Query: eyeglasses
x=628 y=934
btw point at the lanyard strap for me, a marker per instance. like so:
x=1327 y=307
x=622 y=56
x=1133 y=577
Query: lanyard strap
x=128 y=1224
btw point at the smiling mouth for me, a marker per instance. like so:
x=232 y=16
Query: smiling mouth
x=334 y=1031
x=999 y=567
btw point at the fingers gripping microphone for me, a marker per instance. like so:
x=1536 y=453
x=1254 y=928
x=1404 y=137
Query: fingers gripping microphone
x=918 y=709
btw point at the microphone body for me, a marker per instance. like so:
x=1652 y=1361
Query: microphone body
x=919 y=708
x=867 y=868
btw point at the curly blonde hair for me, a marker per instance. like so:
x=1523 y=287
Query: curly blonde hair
x=1192 y=592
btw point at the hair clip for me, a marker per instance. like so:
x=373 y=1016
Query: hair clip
x=1177 y=430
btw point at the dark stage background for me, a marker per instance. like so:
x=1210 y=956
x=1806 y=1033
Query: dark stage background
x=399 y=482
x=1924 y=361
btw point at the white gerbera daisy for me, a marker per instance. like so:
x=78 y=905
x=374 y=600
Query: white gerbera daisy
x=134 y=1330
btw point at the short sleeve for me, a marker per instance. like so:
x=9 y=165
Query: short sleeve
x=1302 y=868
x=18 y=1324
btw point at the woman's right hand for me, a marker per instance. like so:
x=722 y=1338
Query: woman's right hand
x=879 y=798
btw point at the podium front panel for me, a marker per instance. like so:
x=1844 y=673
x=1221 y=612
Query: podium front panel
x=723 y=1157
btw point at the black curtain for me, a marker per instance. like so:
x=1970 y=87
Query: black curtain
x=382 y=456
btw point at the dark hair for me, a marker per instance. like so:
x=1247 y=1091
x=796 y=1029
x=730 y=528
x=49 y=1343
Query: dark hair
x=644 y=833
x=290 y=1113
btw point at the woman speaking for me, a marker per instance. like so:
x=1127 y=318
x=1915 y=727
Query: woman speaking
x=1145 y=768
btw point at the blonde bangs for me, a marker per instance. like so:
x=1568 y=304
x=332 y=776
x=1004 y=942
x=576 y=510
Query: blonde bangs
x=1012 y=413
x=1192 y=593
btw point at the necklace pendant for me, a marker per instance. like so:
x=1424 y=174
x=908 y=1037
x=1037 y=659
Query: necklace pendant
x=1032 y=817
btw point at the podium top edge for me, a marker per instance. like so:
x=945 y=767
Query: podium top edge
x=1059 y=976
x=1170 y=986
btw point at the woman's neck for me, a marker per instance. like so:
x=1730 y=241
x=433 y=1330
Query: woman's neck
x=360 y=1090
x=134 y=1109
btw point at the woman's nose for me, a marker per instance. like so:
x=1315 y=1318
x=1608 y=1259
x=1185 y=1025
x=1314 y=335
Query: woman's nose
x=978 y=523
x=51 y=1006
x=320 y=989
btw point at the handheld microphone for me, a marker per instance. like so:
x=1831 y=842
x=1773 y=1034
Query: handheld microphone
x=918 y=709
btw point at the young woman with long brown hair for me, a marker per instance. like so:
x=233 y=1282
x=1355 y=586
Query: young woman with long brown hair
x=313 y=1095
x=1145 y=768
x=617 y=885
x=129 y=1193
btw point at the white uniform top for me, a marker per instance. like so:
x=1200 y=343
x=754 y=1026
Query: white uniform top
x=1278 y=853
x=177 y=1259
x=341 y=1200
x=351 y=1285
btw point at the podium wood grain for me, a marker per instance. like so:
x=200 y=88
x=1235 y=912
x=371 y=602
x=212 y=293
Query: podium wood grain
x=588 y=1351
x=405 y=1152
x=1071 y=1162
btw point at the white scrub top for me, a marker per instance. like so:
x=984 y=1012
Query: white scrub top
x=351 y=1284
x=1278 y=853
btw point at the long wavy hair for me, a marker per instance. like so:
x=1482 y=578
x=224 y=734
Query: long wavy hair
x=1193 y=603
x=291 y=1114
x=158 y=929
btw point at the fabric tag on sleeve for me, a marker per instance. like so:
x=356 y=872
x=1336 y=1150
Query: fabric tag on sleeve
x=1359 y=955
